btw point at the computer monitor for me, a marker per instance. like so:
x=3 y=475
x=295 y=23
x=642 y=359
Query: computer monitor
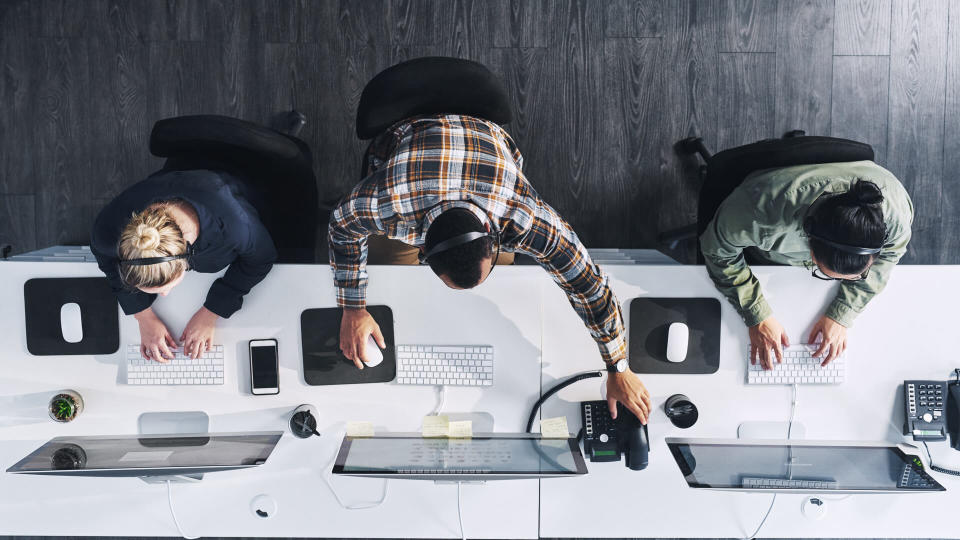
x=149 y=456
x=800 y=466
x=498 y=456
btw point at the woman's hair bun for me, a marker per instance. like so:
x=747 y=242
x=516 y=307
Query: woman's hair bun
x=865 y=192
x=147 y=238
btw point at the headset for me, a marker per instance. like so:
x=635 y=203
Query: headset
x=846 y=248
x=462 y=239
x=147 y=261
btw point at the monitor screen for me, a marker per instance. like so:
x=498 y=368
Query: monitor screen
x=147 y=454
x=800 y=465
x=507 y=456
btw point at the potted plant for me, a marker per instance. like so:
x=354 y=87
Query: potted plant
x=65 y=406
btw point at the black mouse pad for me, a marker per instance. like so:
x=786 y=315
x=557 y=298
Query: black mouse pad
x=324 y=364
x=650 y=318
x=99 y=319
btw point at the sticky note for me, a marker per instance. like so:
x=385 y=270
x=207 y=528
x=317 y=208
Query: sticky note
x=554 y=428
x=359 y=429
x=461 y=429
x=436 y=426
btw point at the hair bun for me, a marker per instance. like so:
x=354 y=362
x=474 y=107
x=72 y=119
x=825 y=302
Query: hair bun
x=147 y=238
x=866 y=192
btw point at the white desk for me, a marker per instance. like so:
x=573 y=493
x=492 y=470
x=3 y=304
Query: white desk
x=521 y=312
x=504 y=313
x=888 y=344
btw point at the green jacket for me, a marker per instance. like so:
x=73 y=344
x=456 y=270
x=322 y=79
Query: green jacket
x=766 y=212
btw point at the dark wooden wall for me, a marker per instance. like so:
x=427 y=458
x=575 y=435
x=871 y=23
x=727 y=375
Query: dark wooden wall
x=601 y=88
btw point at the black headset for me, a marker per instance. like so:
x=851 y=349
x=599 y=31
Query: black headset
x=846 y=248
x=147 y=261
x=462 y=239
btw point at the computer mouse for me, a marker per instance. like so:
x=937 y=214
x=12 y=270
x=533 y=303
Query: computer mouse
x=70 y=324
x=678 y=336
x=373 y=354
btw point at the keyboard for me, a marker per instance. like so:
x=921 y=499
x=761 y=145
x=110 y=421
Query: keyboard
x=181 y=370
x=456 y=365
x=799 y=367
x=783 y=483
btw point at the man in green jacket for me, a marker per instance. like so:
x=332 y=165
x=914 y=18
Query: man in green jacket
x=844 y=221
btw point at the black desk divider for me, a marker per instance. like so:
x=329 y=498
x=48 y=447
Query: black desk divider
x=651 y=317
x=324 y=364
x=99 y=318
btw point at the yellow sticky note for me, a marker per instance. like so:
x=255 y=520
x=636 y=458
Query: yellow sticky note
x=554 y=428
x=359 y=429
x=435 y=426
x=461 y=429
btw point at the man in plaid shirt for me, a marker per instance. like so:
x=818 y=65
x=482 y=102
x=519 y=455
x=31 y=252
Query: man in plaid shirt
x=433 y=178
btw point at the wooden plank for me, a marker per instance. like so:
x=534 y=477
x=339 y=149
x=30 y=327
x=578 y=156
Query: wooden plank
x=748 y=26
x=746 y=99
x=632 y=99
x=862 y=27
x=64 y=18
x=17 y=115
x=950 y=181
x=690 y=104
x=414 y=22
x=18 y=223
x=918 y=51
x=804 y=65
x=860 y=90
x=177 y=79
x=522 y=23
x=464 y=28
x=633 y=18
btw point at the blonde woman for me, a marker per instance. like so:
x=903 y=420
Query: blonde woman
x=147 y=238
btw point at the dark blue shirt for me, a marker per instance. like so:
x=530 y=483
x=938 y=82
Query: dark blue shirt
x=231 y=234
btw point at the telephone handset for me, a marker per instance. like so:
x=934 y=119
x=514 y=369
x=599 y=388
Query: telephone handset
x=604 y=438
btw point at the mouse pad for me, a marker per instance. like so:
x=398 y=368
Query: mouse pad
x=650 y=318
x=324 y=364
x=99 y=319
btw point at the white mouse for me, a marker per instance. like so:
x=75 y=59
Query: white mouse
x=678 y=336
x=70 y=324
x=373 y=354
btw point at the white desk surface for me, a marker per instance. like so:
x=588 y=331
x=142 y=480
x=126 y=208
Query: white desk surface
x=521 y=313
x=889 y=343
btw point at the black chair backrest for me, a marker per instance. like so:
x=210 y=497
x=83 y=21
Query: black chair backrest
x=209 y=134
x=726 y=170
x=431 y=85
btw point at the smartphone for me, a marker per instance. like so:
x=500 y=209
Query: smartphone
x=264 y=367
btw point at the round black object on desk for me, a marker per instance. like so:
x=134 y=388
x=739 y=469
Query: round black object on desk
x=681 y=411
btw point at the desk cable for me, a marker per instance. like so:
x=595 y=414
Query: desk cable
x=441 y=399
x=174 y=513
x=463 y=534
x=936 y=468
x=793 y=412
x=358 y=506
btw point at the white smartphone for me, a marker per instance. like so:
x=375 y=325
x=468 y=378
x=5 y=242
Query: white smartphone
x=264 y=367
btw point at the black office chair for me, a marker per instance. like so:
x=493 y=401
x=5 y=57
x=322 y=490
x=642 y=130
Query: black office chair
x=723 y=172
x=277 y=168
x=430 y=85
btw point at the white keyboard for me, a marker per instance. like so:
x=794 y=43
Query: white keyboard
x=783 y=483
x=458 y=365
x=181 y=370
x=799 y=367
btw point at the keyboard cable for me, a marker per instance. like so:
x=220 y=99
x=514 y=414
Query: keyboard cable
x=463 y=534
x=793 y=411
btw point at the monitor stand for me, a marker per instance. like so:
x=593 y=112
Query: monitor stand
x=174 y=423
x=771 y=430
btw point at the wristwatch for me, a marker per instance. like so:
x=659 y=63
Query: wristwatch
x=618 y=367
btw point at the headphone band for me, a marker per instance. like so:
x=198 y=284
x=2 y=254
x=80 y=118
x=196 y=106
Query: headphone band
x=846 y=248
x=147 y=261
x=456 y=241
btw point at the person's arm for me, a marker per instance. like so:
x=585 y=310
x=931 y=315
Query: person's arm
x=559 y=251
x=853 y=296
x=733 y=229
x=354 y=219
x=255 y=257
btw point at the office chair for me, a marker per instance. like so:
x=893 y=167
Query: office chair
x=428 y=86
x=276 y=168
x=723 y=172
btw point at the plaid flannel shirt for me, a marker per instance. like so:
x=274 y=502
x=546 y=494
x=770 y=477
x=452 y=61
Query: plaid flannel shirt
x=426 y=165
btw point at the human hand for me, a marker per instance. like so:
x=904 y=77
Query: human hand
x=833 y=336
x=765 y=336
x=197 y=337
x=628 y=389
x=155 y=340
x=355 y=326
